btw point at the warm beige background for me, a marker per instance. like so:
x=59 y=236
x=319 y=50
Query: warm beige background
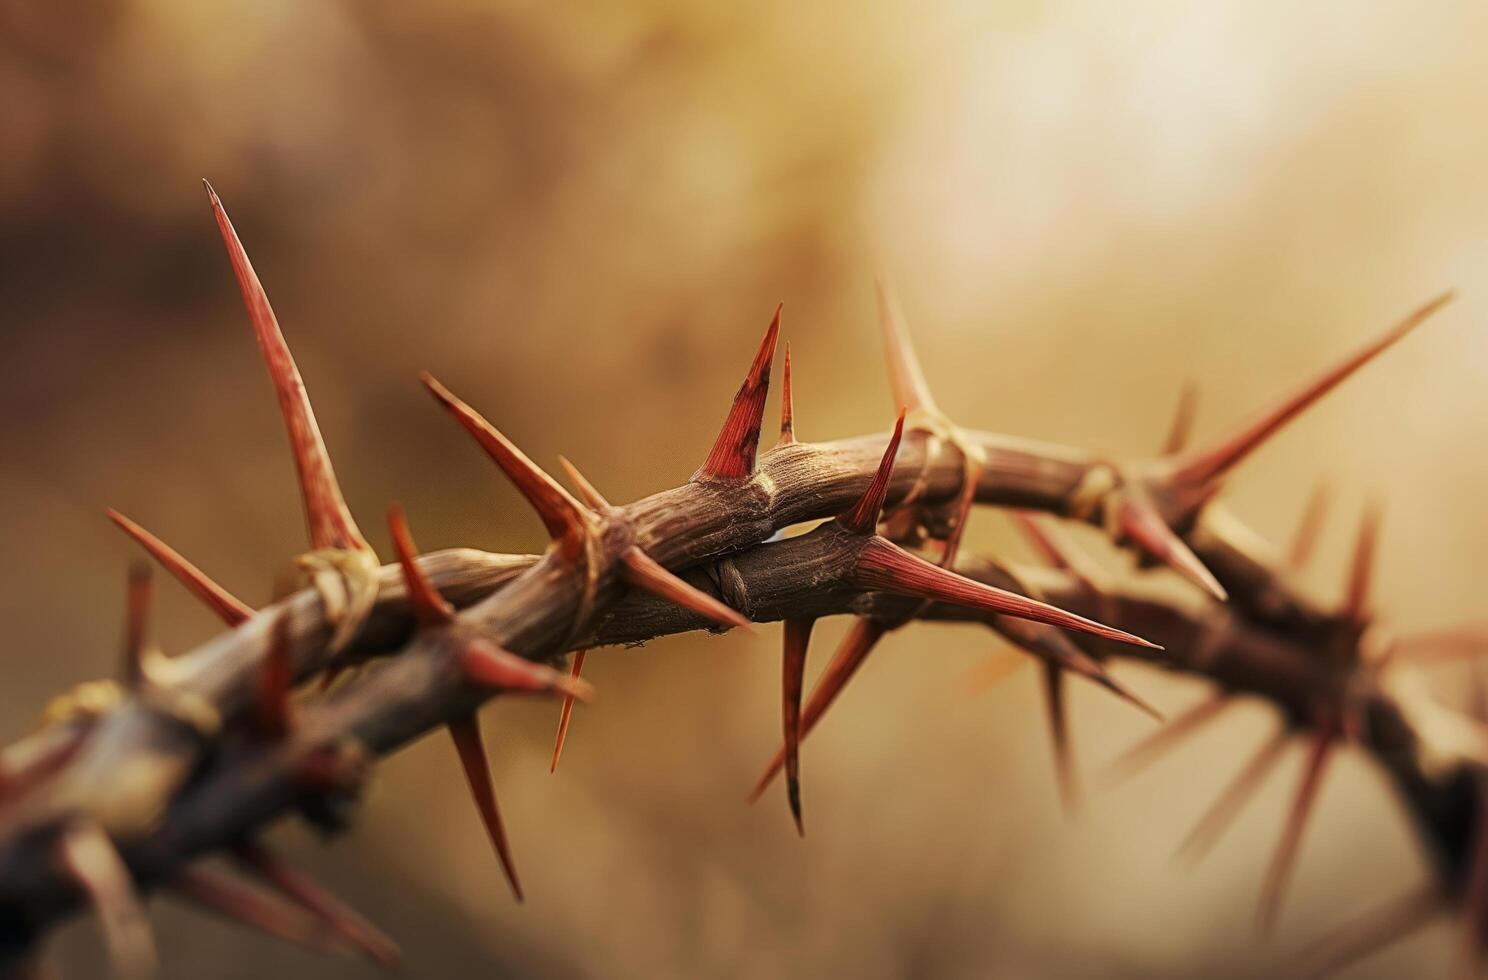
x=580 y=217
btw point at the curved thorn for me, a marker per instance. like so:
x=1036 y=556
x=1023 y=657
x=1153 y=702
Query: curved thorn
x=228 y=607
x=906 y=379
x=787 y=403
x=586 y=489
x=641 y=571
x=1227 y=806
x=429 y=607
x=1204 y=466
x=467 y=738
x=272 y=712
x=1069 y=786
x=561 y=514
x=850 y=655
x=304 y=891
x=732 y=456
x=566 y=713
x=885 y=567
x=1143 y=525
x=1183 y=419
x=1304 y=542
x=1162 y=741
x=328 y=518
x=89 y=857
x=1361 y=570
x=863 y=518
x=136 y=622
x=796 y=639
x=235 y=899
x=495 y=669
x=1286 y=852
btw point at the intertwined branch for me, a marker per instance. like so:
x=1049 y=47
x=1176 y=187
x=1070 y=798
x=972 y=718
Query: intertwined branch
x=126 y=783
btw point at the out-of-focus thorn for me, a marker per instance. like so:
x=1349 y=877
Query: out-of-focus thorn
x=272 y=708
x=1304 y=541
x=230 y=609
x=1165 y=739
x=1050 y=541
x=1069 y=786
x=233 y=898
x=565 y=714
x=1440 y=646
x=304 y=891
x=136 y=623
x=329 y=520
x=1203 y=467
x=88 y=856
x=563 y=516
x=796 y=639
x=498 y=670
x=586 y=489
x=1140 y=523
x=1325 y=732
x=1387 y=923
x=787 y=403
x=1183 y=419
x=1222 y=813
x=988 y=673
x=429 y=607
x=863 y=517
x=855 y=647
x=732 y=456
x=906 y=379
x=884 y=567
x=1056 y=649
x=641 y=571
x=1361 y=570
x=467 y=737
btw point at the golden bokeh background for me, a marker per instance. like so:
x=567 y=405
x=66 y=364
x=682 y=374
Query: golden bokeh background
x=579 y=216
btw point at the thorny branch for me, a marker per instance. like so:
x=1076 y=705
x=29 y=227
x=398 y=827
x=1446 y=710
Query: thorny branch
x=126 y=783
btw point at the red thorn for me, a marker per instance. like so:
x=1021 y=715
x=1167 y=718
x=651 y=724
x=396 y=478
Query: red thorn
x=1183 y=419
x=1304 y=541
x=1453 y=643
x=732 y=456
x=641 y=571
x=1203 y=467
x=1325 y=732
x=1361 y=571
x=309 y=895
x=136 y=622
x=885 y=567
x=328 y=518
x=787 y=404
x=235 y=899
x=1060 y=552
x=566 y=713
x=561 y=514
x=863 y=518
x=496 y=669
x=1142 y=524
x=1162 y=741
x=906 y=380
x=1388 y=923
x=855 y=648
x=272 y=709
x=228 y=607
x=1069 y=786
x=89 y=857
x=1227 y=806
x=1057 y=650
x=792 y=672
x=586 y=489
x=429 y=607
x=984 y=676
x=962 y=515
x=467 y=736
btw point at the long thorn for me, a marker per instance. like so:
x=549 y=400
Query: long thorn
x=1183 y=419
x=565 y=714
x=906 y=379
x=467 y=737
x=1282 y=863
x=1069 y=787
x=863 y=517
x=230 y=609
x=641 y=571
x=495 y=669
x=235 y=899
x=792 y=672
x=1056 y=548
x=1141 y=523
x=1304 y=541
x=89 y=857
x=1204 y=466
x=1388 y=923
x=429 y=607
x=136 y=623
x=1361 y=570
x=1165 y=739
x=1227 y=806
x=732 y=456
x=787 y=403
x=328 y=518
x=591 y=496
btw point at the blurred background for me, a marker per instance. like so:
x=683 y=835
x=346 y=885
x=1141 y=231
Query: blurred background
x=580 y=216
